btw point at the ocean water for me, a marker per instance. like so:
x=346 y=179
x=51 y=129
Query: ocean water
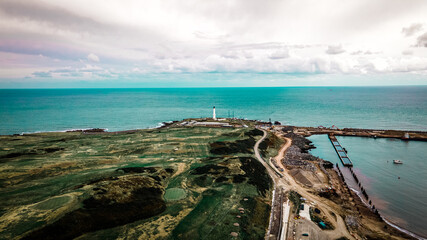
x=402 y=201
x=32 y=110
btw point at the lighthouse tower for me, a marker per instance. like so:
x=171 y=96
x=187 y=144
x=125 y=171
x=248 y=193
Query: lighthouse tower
x=214 y=115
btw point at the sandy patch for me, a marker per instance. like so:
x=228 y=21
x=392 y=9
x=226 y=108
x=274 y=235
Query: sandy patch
x=181 y=167
x=17 y=215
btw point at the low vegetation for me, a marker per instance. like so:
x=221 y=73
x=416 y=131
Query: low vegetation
x=296 y=200
x=176 y=183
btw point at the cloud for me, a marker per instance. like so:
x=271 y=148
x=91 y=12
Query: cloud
x=230 y=54
x=42 y=74
x=280 y=54
x=422 y=40
x=72 y=75
x=34 y=46
x=248 y=55
x=407 y=52
x=411 y=30
x=198 y=36
x=207 y=36
x=91 y=68
x=335 y=49
x=88 y=71
x=93 y=58
x=48 y=14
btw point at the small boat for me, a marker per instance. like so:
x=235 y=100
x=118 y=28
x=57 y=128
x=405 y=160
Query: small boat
x=397 y=162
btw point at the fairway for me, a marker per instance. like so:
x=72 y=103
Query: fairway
x=173 y=194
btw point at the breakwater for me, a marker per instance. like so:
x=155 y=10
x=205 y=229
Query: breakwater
x=356 y=132
x=342 y=154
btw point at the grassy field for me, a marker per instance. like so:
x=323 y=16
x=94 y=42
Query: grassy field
x=176 y=183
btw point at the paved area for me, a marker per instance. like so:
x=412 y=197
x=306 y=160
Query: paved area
x=306 y=212
x=303 y=226
x=285 y=220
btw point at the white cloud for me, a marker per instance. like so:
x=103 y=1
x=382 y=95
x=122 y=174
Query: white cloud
x=93 y=58
x=230 y=54
x=280 y=54
x=407 y=52
x=90 y=68
x=336 y=49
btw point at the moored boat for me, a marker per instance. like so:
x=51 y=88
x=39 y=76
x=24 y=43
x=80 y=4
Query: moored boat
x=397 y=162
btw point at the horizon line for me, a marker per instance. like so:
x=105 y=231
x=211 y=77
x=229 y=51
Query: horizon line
x=180 y=87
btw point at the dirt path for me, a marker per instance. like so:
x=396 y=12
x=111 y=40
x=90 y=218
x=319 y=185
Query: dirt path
x=282 y=152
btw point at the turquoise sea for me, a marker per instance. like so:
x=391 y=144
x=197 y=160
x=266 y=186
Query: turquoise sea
x=32 y=110
x=402 y=201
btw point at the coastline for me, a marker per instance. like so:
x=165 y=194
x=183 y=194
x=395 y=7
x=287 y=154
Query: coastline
x=90 y=129
x=169 y=123
x=306 y=131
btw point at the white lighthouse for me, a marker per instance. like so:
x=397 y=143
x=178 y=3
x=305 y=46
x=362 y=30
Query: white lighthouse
x=214 y=115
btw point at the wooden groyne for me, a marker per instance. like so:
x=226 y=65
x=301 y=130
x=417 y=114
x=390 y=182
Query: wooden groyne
x=340 y=151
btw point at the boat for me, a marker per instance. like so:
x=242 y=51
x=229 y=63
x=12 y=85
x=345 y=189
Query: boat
x=397 y=162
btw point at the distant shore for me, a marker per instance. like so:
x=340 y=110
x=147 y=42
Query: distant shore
x=304 y=131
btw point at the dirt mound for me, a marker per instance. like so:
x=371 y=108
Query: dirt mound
x=300 y=177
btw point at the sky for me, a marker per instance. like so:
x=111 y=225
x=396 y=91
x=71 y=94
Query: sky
x=196 y=43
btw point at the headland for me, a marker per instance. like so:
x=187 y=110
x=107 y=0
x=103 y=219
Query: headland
x=195 y=178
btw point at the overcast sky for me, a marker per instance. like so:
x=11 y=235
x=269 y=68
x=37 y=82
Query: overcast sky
x=196 y=42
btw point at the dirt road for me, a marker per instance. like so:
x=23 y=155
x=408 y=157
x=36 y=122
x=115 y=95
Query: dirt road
x=288 y=183
x=282 y=152
x=326 y=205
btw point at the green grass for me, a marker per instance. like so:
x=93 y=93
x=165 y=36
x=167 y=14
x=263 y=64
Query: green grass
x=53 y=203
x=42 y=179
x=173 y=194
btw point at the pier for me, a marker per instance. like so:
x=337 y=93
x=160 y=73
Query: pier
x=340 y=151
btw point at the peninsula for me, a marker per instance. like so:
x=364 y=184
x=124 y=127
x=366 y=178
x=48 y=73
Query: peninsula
x=191 y=179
